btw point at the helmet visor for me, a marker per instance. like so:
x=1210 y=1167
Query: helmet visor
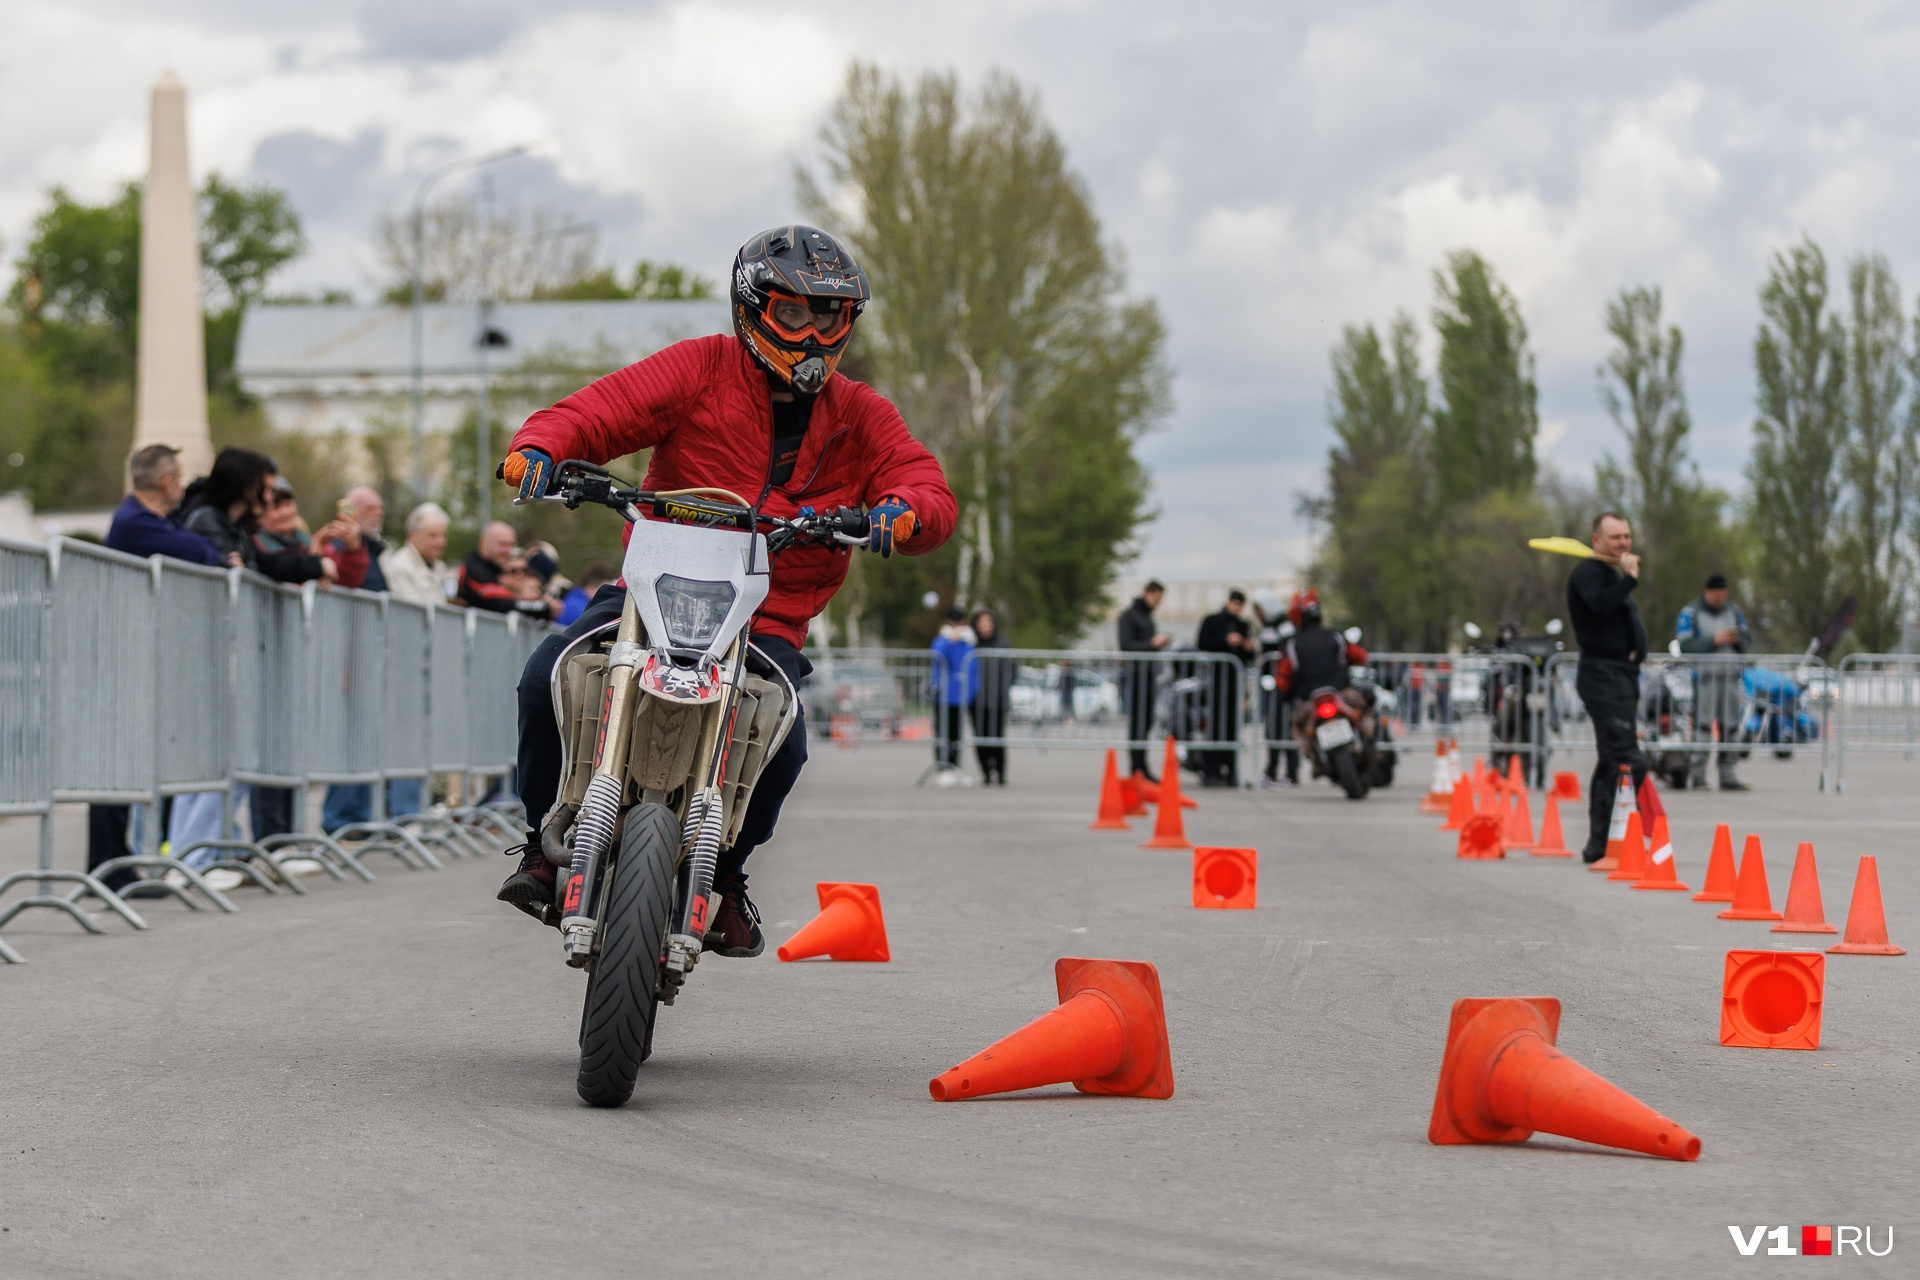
x=822 y=320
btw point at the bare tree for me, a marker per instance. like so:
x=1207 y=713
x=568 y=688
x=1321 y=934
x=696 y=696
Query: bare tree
x=470 y=255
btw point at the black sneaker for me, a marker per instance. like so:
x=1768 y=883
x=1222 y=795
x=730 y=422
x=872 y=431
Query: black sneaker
x=734 y=929
x=1591 y=856
x=530 y=888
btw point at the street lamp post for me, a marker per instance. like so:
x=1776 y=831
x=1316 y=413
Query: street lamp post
x=418 y=288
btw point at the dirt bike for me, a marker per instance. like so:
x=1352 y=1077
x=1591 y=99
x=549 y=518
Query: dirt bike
x=667 y=718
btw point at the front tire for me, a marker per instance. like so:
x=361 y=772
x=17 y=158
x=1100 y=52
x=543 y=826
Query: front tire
x=616 y=1027
x=1347 y=773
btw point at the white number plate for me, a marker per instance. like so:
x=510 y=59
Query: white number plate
x=1337 y=732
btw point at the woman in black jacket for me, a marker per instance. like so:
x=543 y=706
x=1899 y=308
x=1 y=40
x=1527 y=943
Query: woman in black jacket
x=993 y=698
x=226 y=507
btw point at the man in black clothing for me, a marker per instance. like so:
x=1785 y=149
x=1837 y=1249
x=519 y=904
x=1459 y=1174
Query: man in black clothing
x=1229 y=632
x=1138 y=634
x=1613 y=643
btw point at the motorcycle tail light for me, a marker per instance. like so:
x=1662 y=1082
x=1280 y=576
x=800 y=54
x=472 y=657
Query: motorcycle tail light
x=1326 y=710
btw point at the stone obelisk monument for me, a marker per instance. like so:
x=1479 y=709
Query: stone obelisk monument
x=172 y=405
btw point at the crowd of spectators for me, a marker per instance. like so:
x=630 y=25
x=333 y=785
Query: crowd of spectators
x=244 y=514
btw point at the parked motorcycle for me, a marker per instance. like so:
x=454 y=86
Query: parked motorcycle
x=667 y=718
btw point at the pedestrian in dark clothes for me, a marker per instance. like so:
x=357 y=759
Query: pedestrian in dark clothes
x=1613 y=643
x=1139 y=634
x=992 y=697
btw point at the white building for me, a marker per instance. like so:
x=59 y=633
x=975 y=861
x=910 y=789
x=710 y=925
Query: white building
x=348 y=370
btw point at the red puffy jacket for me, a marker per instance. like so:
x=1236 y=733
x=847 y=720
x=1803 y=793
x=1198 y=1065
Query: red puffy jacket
x=703 y=407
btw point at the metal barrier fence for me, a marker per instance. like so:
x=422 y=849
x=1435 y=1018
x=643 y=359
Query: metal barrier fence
x=1045 y=698
x=1500 y=705
x=1875 y=699
x=1697 y=711
x=124 y=680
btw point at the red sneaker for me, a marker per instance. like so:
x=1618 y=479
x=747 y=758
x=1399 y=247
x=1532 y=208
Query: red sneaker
x=734 y=929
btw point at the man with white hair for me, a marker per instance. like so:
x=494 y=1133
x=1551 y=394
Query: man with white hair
x=415 y=570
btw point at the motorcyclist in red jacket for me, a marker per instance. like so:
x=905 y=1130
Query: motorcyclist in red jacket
x=763 y=414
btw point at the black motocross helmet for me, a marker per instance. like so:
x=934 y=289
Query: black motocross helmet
x=801 y=263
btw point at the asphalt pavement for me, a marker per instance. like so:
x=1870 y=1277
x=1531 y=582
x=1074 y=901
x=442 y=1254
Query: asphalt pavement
x=377 y=1080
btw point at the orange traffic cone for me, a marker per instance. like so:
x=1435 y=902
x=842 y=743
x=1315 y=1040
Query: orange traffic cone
x=1113 y=807
x=849 y=926
x=1567 y=786
x=1462 y=807
x=1633 y=853
x=1519 y=834
x=1481 y=837
x=1150 y=790
x=1502 y=1080
x=1772 y=999
x=1720 y=874
x=1661 y=872
x=1866 y=920
x=1440 y=789
x=1617 y=825
x=1553 y=841
x=1751 y=899
x=1479 y=772
x=1108 y=1035
x=1516 y=779
x=1805 y=914
x=1169 y=830
x=1132 y=805
x=1225 y=879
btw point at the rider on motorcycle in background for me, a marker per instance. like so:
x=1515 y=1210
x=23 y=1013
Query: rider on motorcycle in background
x=759 y=413
x=1316 y=658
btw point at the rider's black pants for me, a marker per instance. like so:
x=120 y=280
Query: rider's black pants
x=539 y=759
x=1610 y=690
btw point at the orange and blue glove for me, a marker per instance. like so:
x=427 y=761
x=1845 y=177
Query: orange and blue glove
x=529 y=470
x=891 y=521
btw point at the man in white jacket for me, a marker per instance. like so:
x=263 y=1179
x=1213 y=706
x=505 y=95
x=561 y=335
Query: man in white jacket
x=415 y=571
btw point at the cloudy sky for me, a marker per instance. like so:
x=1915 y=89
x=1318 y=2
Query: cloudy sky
x=1272 y=171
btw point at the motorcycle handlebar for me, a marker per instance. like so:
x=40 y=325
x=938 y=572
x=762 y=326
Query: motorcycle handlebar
x=576 y=482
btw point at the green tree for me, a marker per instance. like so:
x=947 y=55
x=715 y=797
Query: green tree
x=1799 y=438
x=77 y=287
x=1877 y=460
x=1379 y=486
x=247 y=234
x=1001 y=329
x=1677 y=520
x=1483 y=434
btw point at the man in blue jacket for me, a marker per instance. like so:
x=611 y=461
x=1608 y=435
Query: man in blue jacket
x=143 y=526
x=143 y=523
x=1714 y=624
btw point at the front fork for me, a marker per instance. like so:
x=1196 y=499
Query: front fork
x=700 y=840
x=600 y=809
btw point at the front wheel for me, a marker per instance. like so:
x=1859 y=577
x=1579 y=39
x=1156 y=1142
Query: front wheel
x=616 y=1027
x=1347 y=773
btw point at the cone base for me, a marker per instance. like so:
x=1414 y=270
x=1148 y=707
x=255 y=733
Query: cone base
x=1608 y=863
x=1790 y=926
x=1731 y=914
x=1866 y=949
x=1549 y=853
x=1674 y=887
x=1109 y=824
x=1705 y=896
x=1167 y=842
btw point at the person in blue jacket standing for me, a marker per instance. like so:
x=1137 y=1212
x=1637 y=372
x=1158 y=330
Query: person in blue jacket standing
x=1713 y=624
x=957 y=680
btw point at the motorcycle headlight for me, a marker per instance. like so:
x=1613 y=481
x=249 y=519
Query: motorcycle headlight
x=693 y=611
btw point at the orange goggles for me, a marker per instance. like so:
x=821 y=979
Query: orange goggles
x=827 y=319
